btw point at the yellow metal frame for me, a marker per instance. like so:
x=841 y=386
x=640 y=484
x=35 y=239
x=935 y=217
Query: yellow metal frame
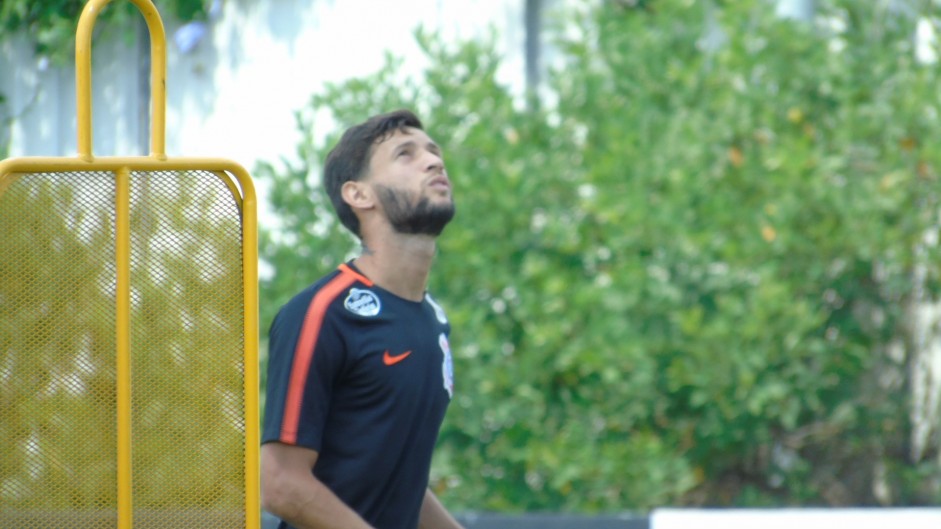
x=244 y=194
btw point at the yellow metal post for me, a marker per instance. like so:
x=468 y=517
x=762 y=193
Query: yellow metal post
x=158 y=76
x=252 y=419
x=123 y=346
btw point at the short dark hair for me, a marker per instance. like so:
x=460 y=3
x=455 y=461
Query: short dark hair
x=349 y=158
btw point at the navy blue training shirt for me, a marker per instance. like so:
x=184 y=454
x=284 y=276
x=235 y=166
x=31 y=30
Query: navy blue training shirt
x=363 y=377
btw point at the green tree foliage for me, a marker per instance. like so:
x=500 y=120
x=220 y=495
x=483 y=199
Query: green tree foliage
x=688 y=281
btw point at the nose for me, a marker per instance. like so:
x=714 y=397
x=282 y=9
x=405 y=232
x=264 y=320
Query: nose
x=434 y=163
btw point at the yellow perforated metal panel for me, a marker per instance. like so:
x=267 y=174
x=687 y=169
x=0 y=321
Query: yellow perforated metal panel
x=187 y=425
x=128 y=332
x=58 y=350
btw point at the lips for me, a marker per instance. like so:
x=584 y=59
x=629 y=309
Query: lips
x=440 y=182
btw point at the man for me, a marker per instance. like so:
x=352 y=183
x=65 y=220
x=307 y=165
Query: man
x=359 y=372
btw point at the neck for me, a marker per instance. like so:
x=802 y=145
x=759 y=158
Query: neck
x=398 y=263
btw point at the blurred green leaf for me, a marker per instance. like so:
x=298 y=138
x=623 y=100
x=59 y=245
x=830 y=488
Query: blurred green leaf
x=675 y=283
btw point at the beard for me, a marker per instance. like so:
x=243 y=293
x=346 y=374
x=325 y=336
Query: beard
x=421 y=218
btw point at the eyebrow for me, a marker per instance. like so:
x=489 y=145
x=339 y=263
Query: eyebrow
x=432 y=146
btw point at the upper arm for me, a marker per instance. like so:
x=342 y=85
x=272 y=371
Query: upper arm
x=290 y=491
x=284 y=469
x=434 y=515
x=279 y=458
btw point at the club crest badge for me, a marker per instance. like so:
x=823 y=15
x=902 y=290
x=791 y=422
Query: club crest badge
x=362 y=302
x=447 y=367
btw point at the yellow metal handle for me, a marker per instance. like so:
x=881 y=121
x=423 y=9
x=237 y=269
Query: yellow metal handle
x=158 y=75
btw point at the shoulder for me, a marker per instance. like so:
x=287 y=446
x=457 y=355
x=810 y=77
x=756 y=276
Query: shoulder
x=343 y=291
x=319 y=296
x=320 y=289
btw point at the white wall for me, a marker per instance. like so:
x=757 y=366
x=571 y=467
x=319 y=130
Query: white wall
x=42 y=100
x=233 y=96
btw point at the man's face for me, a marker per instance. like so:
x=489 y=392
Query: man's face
x=411 y=183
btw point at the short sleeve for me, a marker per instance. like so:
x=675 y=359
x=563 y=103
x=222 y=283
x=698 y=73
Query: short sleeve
x=305 y=356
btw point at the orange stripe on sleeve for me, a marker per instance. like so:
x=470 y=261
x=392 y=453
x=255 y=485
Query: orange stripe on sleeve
x=304 y=352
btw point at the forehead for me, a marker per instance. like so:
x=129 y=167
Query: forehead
x=404 y=135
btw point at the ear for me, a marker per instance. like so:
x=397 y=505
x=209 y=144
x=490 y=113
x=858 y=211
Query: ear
x=358 y=195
